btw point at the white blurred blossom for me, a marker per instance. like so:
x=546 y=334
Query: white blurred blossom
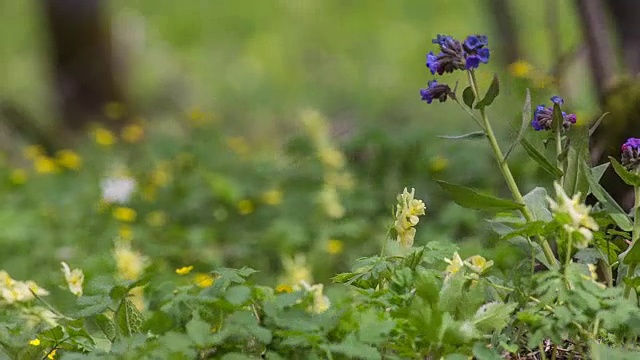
x=117 y=189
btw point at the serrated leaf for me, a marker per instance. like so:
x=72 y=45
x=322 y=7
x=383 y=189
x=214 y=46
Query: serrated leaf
x=492 y=93
x=469 y=198
x=468 y=96
x=629 y=178
x=476 y=135
x=608 y=202
x=198 y=331
x=493 y=316
x=106 y=325
x=128 y=318
x=237 y=295
x=542 y=160
x=524 y=125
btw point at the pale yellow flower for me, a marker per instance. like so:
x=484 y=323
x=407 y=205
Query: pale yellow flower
x=331 y=158
x=203 y=280
x=573 y=216
x=74 y=278
x=104 y=137
x=330 y=202
x=321 y=302
x=132 y=133
x=34 y=342
x=272 y=197
x=124 y=214
x=12 y=291
x=455 y=264
x=245 y=207
x=130 y=264
x=407 y=215
x=18 y=176
x=184 y=270
x=478 y=264
x=295 y=270
x=45 y=165
x=69 y=159
x=334 y=246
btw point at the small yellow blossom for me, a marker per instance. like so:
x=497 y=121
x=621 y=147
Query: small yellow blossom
x=69 y=159
x=573 y=215
x=272 y=197
x=284 y=288
x=104 y=137
x=203 y=280
x=520 y=69
x=455 y=264
x=295 y=270
x=156 y=218
x=52 y=354
x=18 y=176
x=74 y=278
x=132 y=133
x=45 y=165
x=334 y=246
x=331 y=158
x=130 y=264
x=330 y=202
x=245 y=207
x=125 y=232
x=438 y=164
x=34 y=342
x=321 y=303
x=33 y=151
x=114 y=110
x=12 y=291
x=238 y=145
x=184 y=270
x=478 y=264
x=124 y=214
x=407 y=215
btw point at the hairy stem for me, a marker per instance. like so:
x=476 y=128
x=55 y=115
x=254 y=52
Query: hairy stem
x=634 y=237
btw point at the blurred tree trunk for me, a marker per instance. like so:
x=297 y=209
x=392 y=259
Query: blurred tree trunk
x=82 y=61
x=506 y=30
x=625 y=14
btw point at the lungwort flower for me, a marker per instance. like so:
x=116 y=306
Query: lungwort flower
x=631 y=154
x=436 y=91
x=74 y=278
x=573 y=216
x=407 y=215
x=543 y=116
x=458 y=56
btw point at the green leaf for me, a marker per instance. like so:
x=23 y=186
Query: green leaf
x=236 y=356
x=374 y=327
x=159 y=323
x=615 y=211
x=536 y=201
x=597 y=123
x=118 y=292
x=598 y=171
x=632 y=255
x=198 y=331
x=558 y=119
x=526 y=120
x=629 y=178
x=493 y=316
x=353 y=349
x=575 y=179
x=128 y=318
x=237 y=295
x=481 y=352
x=492 y=93
x=542 y=160
x=469 y=198
x=476 y=135
x=468 y=97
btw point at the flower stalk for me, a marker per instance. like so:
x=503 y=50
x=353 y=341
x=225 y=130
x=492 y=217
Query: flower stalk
x=635 y=234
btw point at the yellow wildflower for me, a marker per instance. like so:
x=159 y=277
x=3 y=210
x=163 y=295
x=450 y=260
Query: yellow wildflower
x=203 y=280
x=407 y=215
x=129 y=263
x=156 y=218
x=438 y=163
x=321 y=303
x=573 y=215
x=296 y=270
x=18 y=176
x=125 y=232
x=74 y=278
x=334 y=247
x=45 y=165
x=51 y=355
x=238 y=145
x=520 y=69
x=132 y=133
x=245 y=207
x=478 y=264
x=184 y=270
x=284 y=288
x=104 y=137
x=330 y=201
x=69 y=159
x=455 y=264
x=331 y=157
x=272 y=197
x=33 y=151
x=34 y=342
x=114 y=110
x=124 y=214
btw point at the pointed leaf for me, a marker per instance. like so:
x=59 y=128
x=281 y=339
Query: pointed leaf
x=538 y=157
x=468 y=97
x=629 y=178
x=536 y=201
x=558 y=119
x=595 y=125
x=493 y=316
x=469 y=198
x=492 y=93
x=526 y=120
x=615 y=211
x=574 y=180
x=598 y=171
x=476 y=135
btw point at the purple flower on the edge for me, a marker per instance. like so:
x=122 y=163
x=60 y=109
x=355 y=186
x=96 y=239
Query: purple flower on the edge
x=630 y=153
x=543 y=116
x=476 y=51
x=436 y=91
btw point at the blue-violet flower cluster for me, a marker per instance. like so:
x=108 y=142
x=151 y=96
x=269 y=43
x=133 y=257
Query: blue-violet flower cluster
x=543 y=116
x=631 y=154
x=454 y=55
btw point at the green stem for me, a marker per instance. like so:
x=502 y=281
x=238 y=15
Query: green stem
x=569 y=244
x=634 y=237
x=506 y=172
x=559 y=163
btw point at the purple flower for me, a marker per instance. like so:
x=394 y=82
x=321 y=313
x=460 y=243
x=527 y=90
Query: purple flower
x=543 y=116
x=476 y=51
x=457 y=56
x=630 y=154
x=436 y=91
